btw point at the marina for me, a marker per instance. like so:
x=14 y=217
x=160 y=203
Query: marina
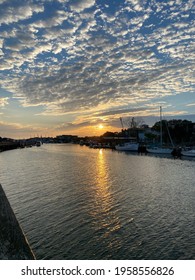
x=97 y=132
x=79 y=203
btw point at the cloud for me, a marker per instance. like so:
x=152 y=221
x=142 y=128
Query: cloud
x=12 y=14
x=121 y=112
x=56 y=19
x=81 y=5
x=74 y=59
x=3 y=101
x=15 y=130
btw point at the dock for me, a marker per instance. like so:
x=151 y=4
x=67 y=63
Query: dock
x=13 y=243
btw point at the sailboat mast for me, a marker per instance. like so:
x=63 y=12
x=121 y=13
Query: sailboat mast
x=161 y=126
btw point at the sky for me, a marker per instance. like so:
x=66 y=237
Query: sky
x=78 y=66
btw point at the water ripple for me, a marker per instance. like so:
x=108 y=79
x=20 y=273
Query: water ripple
x=79 y=203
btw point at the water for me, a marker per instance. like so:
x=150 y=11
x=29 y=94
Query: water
x=79 y=203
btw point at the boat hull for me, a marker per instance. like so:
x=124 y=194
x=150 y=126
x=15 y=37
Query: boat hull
x=190 y=153
x=160 y=151
x=133 y=147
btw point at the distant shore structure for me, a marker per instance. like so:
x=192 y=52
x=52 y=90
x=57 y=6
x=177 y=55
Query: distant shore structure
x=13 y=243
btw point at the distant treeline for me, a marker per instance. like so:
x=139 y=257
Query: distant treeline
x=181 y=131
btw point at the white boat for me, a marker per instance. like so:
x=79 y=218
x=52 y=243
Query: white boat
x=128 y=146
x=188 y=153
x=161 y=150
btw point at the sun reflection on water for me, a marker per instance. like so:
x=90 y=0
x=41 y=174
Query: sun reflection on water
x=104 y=213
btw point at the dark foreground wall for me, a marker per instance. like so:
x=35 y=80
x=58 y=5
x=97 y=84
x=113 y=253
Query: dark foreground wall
x=13 y=244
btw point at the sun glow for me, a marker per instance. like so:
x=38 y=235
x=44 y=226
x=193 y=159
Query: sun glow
x=100 y=126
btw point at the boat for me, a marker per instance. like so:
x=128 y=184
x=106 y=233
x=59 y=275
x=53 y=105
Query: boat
x=127 y=146
x=161 y=149
x=38 y=143
x=188 y=153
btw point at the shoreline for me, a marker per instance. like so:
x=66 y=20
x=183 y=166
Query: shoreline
x=8 y=146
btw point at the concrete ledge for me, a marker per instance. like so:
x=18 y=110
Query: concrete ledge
x=13 y=243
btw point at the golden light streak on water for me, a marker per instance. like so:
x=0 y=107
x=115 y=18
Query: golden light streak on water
x=105 y=217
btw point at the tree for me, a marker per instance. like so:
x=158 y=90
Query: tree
x=181 y=131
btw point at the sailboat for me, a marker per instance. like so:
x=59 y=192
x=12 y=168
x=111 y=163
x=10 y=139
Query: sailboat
x=188 y=153
x=161 y=150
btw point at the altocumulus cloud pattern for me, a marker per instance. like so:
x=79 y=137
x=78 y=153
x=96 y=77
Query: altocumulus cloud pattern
x=95 y=57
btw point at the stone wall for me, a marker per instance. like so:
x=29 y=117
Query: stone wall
x=13 y=243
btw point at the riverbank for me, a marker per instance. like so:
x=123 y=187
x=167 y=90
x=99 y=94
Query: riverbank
x=13 y=243
x=9 y=146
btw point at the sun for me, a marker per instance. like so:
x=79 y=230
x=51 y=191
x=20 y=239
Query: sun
x=100 y=126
